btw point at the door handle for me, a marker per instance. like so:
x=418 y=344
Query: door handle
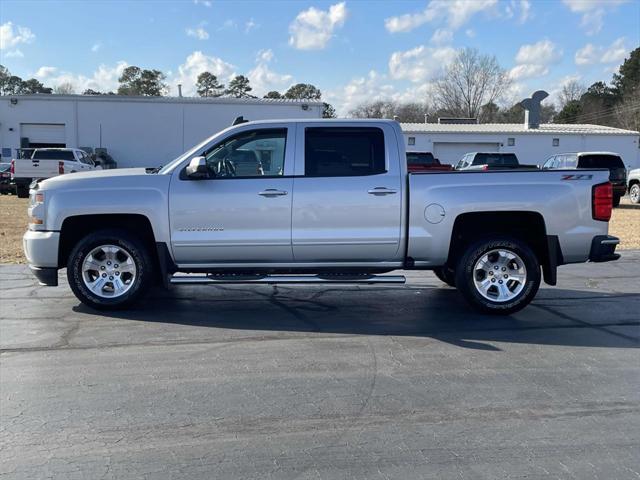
x=272 y=192
x=382 y=191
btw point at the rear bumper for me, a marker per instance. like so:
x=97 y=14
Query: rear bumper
x=603 y=248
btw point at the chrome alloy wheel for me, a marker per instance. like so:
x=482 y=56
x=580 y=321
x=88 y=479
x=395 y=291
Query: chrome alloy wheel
x=634 y=193
x=499 y=275
x=109 y=271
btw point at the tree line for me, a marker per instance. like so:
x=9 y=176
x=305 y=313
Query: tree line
x=144 y=82
x=474 y=85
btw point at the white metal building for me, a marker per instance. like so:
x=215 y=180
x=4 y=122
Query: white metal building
x=449 y=142
x=136 y=131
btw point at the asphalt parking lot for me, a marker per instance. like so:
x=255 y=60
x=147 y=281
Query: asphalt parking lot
x=323 y=382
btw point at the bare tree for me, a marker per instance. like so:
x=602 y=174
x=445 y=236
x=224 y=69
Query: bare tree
x=571 y=91
x=411 y=112
x=65 y=88
x=469 y=82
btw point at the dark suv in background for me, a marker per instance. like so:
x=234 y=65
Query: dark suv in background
x=591 y=160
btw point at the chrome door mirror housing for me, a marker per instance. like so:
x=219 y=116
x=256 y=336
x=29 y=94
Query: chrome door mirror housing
x=197 y=169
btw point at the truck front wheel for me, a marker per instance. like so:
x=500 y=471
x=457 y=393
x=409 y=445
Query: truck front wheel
x=22 y=191
x=446 y=275
x=498 y=276
x=109 y=269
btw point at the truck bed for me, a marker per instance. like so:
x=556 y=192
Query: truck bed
x=436 y=199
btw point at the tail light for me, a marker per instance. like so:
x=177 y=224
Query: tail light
x=13 y=167
x=61 y=168
x=602 y=202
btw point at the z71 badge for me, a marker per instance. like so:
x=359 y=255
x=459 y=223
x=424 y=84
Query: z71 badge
x=577 y=176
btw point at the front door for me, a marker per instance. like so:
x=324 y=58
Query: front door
x=241 y=213
x=347 y=204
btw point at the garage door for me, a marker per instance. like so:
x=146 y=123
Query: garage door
x=451 y=152
x=44 y=134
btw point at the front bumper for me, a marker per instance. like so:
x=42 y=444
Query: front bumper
x=603 y=248
x=41 y=250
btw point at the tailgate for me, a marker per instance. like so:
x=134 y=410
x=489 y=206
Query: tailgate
x=30 y=168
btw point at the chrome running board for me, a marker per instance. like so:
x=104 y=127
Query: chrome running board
x=285 y=279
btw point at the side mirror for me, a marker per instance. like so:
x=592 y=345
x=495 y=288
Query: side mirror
x=197 y=168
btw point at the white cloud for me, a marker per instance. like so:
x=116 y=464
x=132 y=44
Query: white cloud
x=45 y=72
x=591 y=54
x=194 y=65
x=535 y=59
x=206 y=3
x=592 y=11
x=442 y=36
x=554 y=93
x=198 y=32
x=455 y=13
x=17 y=53
x=313 y=28
x=250 y=25
x=421 y=63
x=96 y=46
x=520 y=9
x=10 y=36
x=264 y=55
x=470 y=32
x=104 y=79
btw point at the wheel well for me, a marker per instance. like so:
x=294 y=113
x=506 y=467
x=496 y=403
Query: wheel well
x=526 y=226
x=633 y=182
x=75 y=228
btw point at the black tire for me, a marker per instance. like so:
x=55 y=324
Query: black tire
x=616 y=200
x=22 y=191
x=446 y=275
x=634 y=193
x=465 y=275
x=133 y=246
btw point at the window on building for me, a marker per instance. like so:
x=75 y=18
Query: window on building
x=556 y=142
x=412 y=141
x=344 y=152
x=511 y=141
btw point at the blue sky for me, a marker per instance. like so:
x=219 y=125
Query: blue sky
x=353 y=51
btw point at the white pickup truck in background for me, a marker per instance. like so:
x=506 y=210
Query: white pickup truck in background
x=47 y=163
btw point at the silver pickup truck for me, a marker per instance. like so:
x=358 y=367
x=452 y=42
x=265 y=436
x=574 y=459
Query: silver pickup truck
x=314 y=201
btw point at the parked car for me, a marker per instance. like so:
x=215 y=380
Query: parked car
x=338 y=206
x=6 y=186
x=633 y=183
x=592 y=160
x=47 y=163
x=425 y=162
x=491 y=161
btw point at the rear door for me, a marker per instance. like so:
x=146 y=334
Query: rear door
x=347 y=195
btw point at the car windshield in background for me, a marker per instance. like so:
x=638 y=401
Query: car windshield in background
x=600 y=161
x=420 y=159
x=509 y=160
x=53 y=155
x=4 y=167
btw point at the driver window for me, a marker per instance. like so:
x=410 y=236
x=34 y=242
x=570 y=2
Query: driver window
x=255 y=153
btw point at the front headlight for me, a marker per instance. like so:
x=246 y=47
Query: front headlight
x=36 y=211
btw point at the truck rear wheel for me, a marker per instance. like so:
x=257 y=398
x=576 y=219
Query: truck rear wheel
x=616 y=200
x=634 y=193
x=498 y=276
x=109 y=269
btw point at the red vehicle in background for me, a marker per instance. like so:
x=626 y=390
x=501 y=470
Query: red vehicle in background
x=425 y=162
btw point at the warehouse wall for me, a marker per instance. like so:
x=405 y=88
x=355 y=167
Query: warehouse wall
x=532 y=148
x=136 y=133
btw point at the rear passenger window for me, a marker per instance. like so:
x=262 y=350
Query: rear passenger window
x=344 y=152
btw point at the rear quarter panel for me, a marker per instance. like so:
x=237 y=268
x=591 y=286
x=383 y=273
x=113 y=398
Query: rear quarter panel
x=565 y=206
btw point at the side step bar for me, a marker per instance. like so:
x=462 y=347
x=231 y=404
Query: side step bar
x=285 y=279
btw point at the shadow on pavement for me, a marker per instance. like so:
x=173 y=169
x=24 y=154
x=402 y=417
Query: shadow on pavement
x=556 y=317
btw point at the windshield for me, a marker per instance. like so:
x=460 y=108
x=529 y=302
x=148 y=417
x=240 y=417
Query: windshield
x=198 y=149
x=601 y=161
x=4 y=167
x=497 y=159
x=53 y=155
x=420 y=159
